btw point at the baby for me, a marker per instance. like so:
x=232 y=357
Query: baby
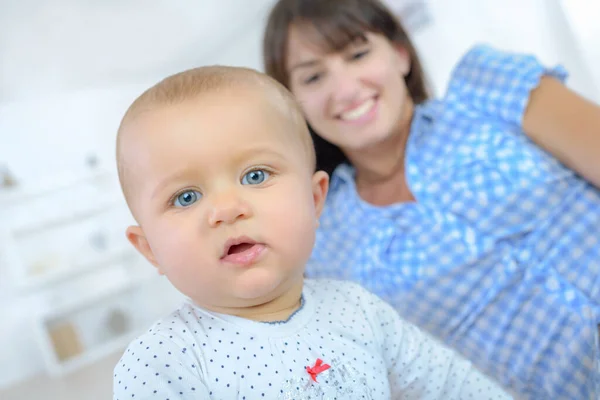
x=218 y=169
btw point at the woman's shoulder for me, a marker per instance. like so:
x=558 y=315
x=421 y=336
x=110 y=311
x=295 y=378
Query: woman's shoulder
x=472 y=137
x=342 y=175
x=342 y=195
x=495 y=83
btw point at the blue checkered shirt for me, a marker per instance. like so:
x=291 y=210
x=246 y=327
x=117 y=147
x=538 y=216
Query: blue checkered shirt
x=500 y=255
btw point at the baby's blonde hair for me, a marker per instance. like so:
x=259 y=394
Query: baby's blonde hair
x=191 y=84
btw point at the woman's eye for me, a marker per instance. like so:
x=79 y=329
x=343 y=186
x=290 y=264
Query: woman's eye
x=255 y=177
x=187 y=198
x=360 y=54
x=312 y=79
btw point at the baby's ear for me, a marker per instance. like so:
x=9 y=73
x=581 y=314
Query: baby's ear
x=136 y=237
x=320 y=186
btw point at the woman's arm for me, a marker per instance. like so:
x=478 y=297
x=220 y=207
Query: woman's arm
x=567 y=126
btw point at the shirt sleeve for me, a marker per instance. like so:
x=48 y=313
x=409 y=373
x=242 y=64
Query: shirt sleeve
x=420 y=367
x=496 y=83
x=156 y=367
x=476 y=162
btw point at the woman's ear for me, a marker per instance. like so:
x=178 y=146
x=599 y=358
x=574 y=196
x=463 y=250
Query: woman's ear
x=137 y=238
x=402 y=59
x=320 y=186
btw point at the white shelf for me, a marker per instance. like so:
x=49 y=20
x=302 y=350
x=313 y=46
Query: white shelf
x=64 y=244
x=69 y=241
x=17 y=194
x=113 y=346
x=87 y=324
x=60 y=275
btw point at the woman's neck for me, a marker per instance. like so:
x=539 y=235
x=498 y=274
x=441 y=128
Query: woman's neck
x=389 y=190
x=380 y=173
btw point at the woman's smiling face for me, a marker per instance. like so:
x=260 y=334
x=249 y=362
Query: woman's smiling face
x=354 y=98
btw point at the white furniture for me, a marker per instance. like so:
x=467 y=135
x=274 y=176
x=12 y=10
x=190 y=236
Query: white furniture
x=65 y=247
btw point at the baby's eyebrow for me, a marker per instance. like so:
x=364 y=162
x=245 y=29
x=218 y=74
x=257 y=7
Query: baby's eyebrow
x=257 y=151
x=166 y=181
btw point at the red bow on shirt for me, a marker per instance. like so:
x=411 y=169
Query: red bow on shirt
x=317 y=369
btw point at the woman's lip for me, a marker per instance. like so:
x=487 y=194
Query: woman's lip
x=362 y=116
x=358 y=111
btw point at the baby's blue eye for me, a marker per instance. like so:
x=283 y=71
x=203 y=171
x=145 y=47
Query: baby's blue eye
x=255 y=177
x=187 y=198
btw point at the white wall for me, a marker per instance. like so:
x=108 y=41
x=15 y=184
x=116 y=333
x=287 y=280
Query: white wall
x=583 y=17
x=540 y=27
x=58 y=45
x=68 y=68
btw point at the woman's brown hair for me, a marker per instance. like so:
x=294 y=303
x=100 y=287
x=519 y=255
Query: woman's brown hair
x=336 y=24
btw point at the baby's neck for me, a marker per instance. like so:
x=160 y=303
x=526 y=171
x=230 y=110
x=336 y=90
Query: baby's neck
x=280 y=314
x=279 y=308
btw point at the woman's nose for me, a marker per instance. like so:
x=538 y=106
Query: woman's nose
x=344 y=85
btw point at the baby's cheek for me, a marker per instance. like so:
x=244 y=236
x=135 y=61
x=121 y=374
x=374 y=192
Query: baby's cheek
x=173 y=250
x=300 y=233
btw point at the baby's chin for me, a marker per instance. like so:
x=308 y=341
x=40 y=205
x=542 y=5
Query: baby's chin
x=258 y=293
x=263 y=285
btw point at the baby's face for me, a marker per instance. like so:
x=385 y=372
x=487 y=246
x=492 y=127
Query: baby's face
x=225 y=197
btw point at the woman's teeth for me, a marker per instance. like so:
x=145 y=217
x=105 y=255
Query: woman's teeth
x=358 y=111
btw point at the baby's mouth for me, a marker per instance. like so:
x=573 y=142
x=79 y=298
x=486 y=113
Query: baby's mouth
x=239 y=248
x=242 y=251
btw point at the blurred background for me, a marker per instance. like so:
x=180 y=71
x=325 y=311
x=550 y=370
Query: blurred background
x=72 y=292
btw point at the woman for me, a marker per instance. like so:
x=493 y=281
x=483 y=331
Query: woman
x=461 y=212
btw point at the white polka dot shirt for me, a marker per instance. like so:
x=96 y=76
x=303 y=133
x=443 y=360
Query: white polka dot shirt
x=343 y=343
